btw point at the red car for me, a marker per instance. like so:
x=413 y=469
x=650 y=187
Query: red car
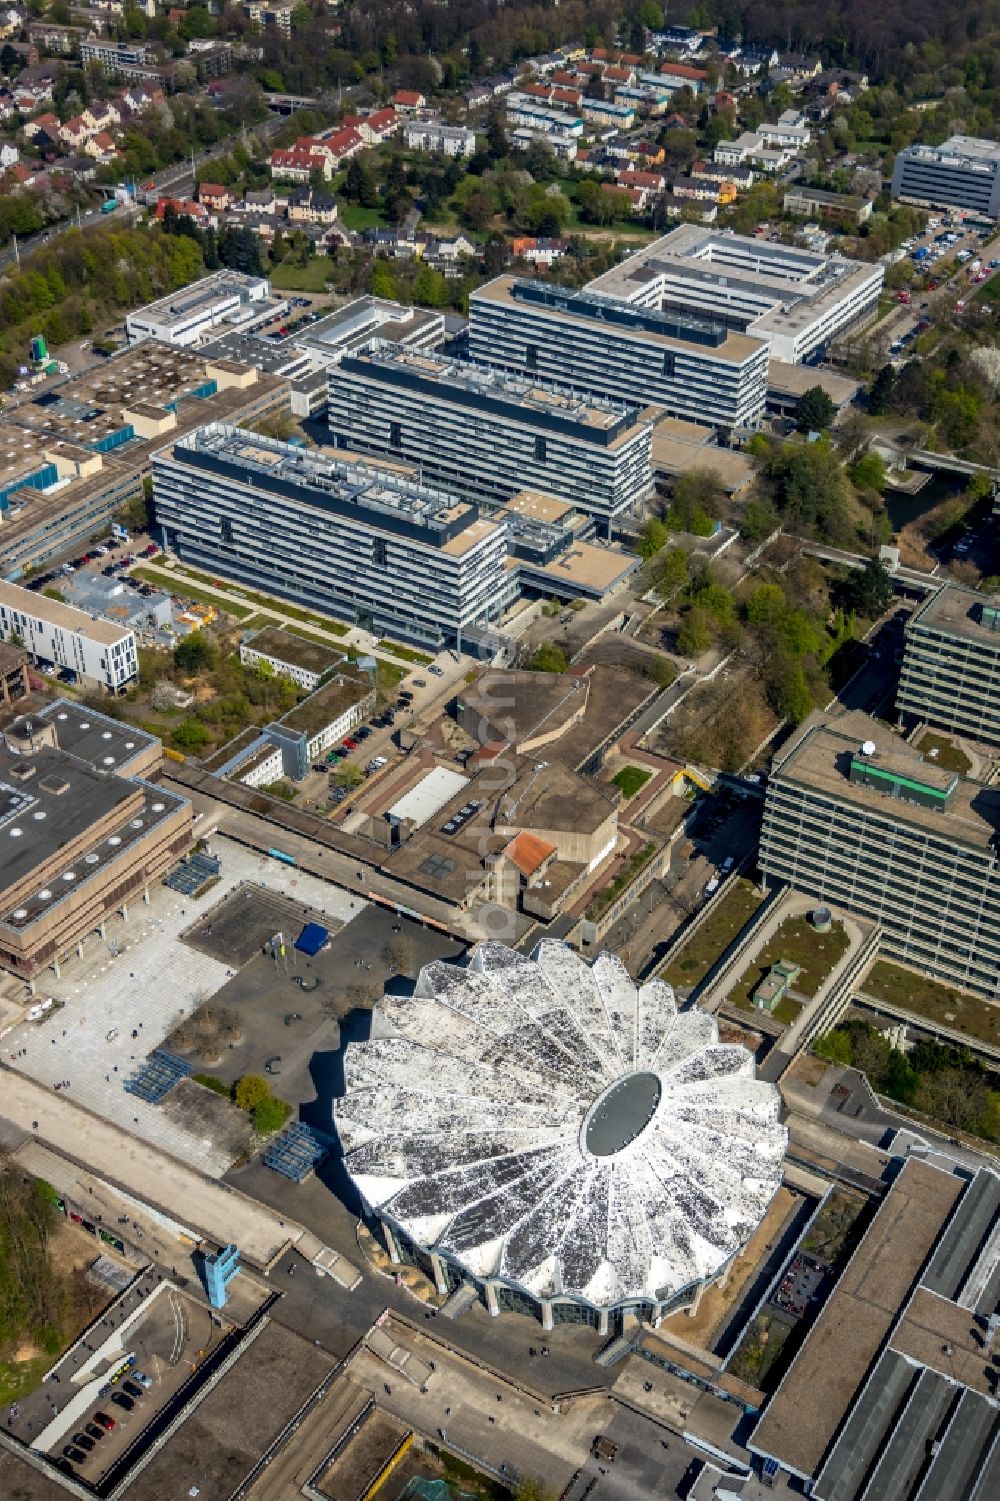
x=105 y=1422
x=150 y=551
x=349 y=744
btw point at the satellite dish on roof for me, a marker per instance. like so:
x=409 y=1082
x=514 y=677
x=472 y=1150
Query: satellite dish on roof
x=868 y=749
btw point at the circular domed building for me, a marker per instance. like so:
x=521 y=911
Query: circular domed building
x=566 y=1142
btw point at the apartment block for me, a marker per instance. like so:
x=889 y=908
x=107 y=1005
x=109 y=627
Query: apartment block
x=856 y=817
x=795 y=300
x=59 y=636
x=486 y=435
x=963 y=172
x=376 y=549
x=951 y=663
x=434 y=135
x=587 y=341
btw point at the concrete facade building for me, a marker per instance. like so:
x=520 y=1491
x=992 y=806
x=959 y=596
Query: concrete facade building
x=587 y=341
x=486 y=435
x=288 y=746
x=305 y=662
x=434 y=135
x=58 y=635
x=81 y=832
x=185 y=316
x=795 y=300
x=14 y=682
x=858 y=818
x=963 y=172
x=400 y=558
x=951 y=663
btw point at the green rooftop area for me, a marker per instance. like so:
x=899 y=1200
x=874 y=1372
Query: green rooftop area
x=950 y=755
x=328 y=702
x=691 y=961
x=283 y=646
x=797 y=942
x=933 y=1001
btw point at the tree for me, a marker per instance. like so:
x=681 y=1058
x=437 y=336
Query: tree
x=497 y=142
x=269 y=1115
x=549 y=658
x=695 y=501
x=430 y=289
x=654 y=535
x=793 y=699
x=349 y=775
x=382 y=284
x=495 y=254
x=816 y=410
x=190 y=735
x=359 y=184
x=249 y=1091
x=196 y=651
x=869 y=590
x=835 y=1046
x=867 y=472
x=695 y=634
x=880 y=395
x=767 y=605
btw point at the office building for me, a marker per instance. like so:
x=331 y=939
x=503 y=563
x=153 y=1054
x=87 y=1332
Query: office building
x=59 y=636
x=379 y=550
x=858 y=818
x=612 y=1167
x=795 y=300
x=286 y=748
x=305 y=662
x=587 y=341
x=486 y=435
x=951 y=663
x=225 y=299
x=75 y=455
x=963 y=173
x=893 y=1392
x=82 y=834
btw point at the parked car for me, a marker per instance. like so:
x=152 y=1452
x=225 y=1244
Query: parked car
x=419 y=682
x=363 y=734
x=142 y=1379
x=132 y=1390
x=76 y=1455
x=436 y=672
x=350 y=743
x=94 y=1430
x=125 y=1403
x=106 y=1422
x=83 y=1441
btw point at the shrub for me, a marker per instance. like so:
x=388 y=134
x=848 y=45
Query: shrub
x=217 y=1086
x=250 y=1091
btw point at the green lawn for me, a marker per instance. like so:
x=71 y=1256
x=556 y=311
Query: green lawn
x=179 y=585
x=797 y=941
x=355 y=216
x=406 y=653
x=19 y=1377
x=631 y=779
x=949 y=755
x=689 y=966
x=935 y=1002
x=311 y=278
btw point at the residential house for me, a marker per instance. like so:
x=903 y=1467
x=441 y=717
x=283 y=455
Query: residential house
x=694 y=187
x=397 y=244
x=649 y=153
x=408 y=101
x=682 y=75
x=340 y=145
x=102 y=114
x=616 y=59
x=613 y=76
x=478 y=96
x=627 y=177
x=42 y=130
x=214 y=196
x=74 y=133
x=374 y=128
x=9 y=156
x=258 y=201
x=186 y=207
x=139 y=97
x=298 y=166
x=638 y=197
x=538 y=251
x=797 y=68
x=754 y=58
x=50 y=38
x=101 y=146
x=560 y=142
x=308 y=207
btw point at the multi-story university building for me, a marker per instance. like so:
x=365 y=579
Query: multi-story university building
x=963 y=172
x=82 y=832
x=370 y=546
x=587 y=341
x=187 y=315
x=856 y=817
x=486 y=435
x=58 y=635
x=951 y=663
x=794 y=300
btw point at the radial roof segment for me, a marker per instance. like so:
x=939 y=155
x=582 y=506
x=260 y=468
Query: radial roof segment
x=546 y=1123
